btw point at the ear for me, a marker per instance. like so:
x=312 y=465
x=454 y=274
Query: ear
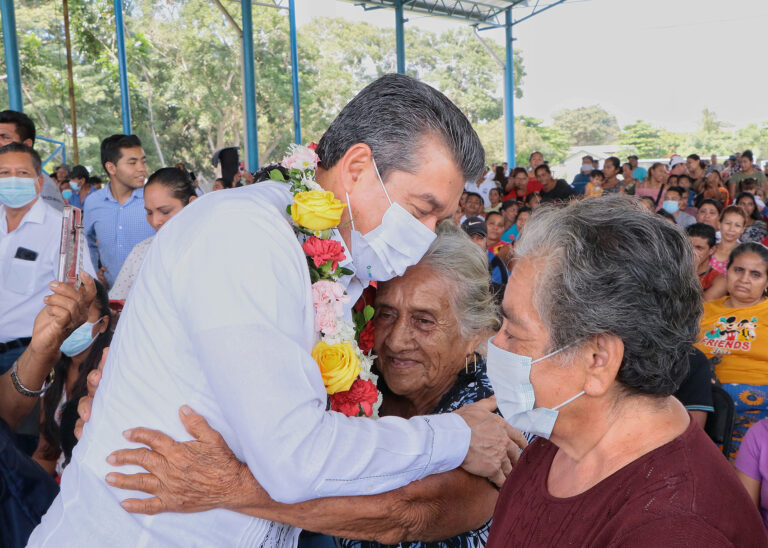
x=603 y=355
x=192 y=199
x=102 y=326
x=354 y=166
x=39 y=183
x=111 y=168
x=29 y=142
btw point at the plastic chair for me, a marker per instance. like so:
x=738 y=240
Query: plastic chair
x=720 y=424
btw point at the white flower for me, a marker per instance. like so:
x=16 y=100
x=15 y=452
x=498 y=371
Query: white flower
x=310 y=183
x=345 y=332
x=300 y=157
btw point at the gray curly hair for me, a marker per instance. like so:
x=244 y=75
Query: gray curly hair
x=614 y=269
x=464 y=265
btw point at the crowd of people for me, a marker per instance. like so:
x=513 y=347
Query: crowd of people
x=601 y=314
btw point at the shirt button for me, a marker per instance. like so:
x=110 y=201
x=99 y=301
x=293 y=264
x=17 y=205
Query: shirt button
x=120 y=227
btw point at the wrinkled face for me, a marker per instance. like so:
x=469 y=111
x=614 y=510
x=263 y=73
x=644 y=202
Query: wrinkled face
x=523 y=332
x=131 y=168
x=748 y=205
x=701 y=250
x=495 y=224
x=747 y=278
x=473 y=206
x=709 y=216
x=731 y=227
x=417 y=339
x=160 y=205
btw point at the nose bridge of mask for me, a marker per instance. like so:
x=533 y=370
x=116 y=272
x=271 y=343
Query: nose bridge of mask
x=349 y=206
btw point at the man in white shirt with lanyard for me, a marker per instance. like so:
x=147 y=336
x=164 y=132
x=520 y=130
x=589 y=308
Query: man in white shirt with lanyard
x=221 y=318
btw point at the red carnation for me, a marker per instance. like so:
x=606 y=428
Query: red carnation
x=312 y=146
x=366 y=339
x=362 y=394
x=323 y=251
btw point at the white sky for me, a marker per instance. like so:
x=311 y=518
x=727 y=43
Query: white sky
x=662 y=61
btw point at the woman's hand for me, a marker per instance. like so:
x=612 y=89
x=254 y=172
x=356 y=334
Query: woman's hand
x=191 y=476
x=86 y=402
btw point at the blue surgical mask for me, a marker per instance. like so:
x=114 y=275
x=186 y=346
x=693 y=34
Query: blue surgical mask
x=66 y=194
x=389 y=249
x=16 y=192
x=510 y=376
x=80 y=339
x=671 y=206
x=74 y=186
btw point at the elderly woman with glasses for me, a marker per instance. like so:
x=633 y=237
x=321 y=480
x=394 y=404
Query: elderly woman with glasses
x=599 y=314
x=428 y=325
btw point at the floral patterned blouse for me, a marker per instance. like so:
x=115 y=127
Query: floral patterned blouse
x=471 y=386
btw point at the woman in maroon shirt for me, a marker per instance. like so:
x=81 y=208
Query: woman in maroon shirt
x=599 y=312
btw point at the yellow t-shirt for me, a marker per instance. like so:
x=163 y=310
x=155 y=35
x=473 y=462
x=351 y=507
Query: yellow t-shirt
x=593 y=190
x=739 y=337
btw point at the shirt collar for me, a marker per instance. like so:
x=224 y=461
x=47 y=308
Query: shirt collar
x=137 y=193
x=36 y=214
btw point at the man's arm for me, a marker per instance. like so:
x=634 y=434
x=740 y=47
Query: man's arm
x=65 y=310
x=204 y=474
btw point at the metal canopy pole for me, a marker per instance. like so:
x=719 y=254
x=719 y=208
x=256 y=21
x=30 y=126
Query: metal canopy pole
x=250 y=87
x=125 y=102
x=294 y=74
x=11 y=55
x=400 y=36
x=509 y=91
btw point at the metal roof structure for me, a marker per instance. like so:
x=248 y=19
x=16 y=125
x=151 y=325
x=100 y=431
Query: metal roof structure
x=487 y=12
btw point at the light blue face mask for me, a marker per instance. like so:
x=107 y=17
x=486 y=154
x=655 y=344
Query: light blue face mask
x=670 y=206
x=80 y=339
x=74 y=186
x=66 y=194
x=16 y=192
x=510 y=376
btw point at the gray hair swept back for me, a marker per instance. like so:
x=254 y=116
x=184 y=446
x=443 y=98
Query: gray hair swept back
x=464 y=265
x=614 y=269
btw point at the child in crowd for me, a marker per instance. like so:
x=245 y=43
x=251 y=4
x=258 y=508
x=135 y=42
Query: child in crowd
x=595 y=185
x=733 y=220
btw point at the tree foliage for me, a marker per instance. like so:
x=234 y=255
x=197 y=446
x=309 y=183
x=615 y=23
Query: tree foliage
x=591 y=125
x=185 y=75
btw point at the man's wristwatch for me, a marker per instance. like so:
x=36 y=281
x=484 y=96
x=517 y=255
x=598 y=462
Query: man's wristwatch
x=23 y=390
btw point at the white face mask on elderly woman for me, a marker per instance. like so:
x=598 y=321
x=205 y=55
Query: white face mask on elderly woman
x=398 y=242
x=510 y=376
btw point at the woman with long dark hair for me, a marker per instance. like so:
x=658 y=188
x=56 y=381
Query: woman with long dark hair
x=80 y=354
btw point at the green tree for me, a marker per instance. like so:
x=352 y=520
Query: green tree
x=532 y=135
x=643 y=139
x=591 y=125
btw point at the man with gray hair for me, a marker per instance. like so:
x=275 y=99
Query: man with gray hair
x=599 y=315
x=234 y=340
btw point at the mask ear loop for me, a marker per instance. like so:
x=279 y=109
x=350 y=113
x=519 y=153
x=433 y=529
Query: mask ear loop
x=349 y=207
x=375 y=167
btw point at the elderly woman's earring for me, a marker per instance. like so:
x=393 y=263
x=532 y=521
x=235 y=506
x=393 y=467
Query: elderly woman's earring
x=474 y=364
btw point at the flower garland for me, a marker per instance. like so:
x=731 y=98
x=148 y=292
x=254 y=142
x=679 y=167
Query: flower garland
x=344 y=351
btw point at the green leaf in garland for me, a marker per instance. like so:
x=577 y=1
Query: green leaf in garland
x=343 y=271
x=276 y=175
x=368 y=313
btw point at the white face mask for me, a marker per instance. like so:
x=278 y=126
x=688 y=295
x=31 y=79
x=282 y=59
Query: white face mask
x=510 y=376
x=389 y=249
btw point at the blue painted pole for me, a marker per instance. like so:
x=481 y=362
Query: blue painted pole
x=249 y=87
x=11 y=55
x=125 y=100
x=509 y=91
x=400 y=36
x=294 y=74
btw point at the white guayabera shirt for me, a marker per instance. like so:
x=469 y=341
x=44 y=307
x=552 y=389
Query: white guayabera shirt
x=221 y=318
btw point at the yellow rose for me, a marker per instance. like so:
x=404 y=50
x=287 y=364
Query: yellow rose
x=316 y=210
x=338 y=364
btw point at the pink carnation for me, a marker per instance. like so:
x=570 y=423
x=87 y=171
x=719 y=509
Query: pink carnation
x=302 y=158
x=326 y=294
x=325 y=319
